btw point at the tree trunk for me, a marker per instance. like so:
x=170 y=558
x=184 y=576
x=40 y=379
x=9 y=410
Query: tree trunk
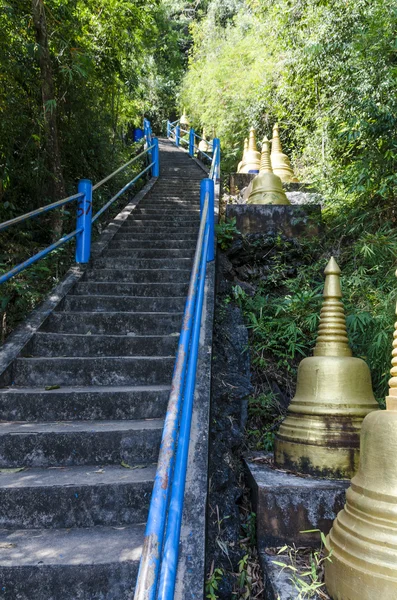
x=56 y=185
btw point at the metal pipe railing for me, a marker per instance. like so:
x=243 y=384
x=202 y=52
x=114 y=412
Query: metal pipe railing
x=84 y=208
x=160 y=549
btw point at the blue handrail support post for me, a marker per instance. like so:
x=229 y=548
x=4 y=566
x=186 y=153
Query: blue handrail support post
x=156 y=158
x=191 y=141
x=217 y=147
x=177 y=135
x=207 y=187
x=84 y=221
x=168 y=128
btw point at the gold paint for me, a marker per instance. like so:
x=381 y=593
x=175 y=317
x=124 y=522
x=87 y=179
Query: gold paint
x=320 y=434
x=280 y=161
x=184 y=119
x=252 y=157
x=203 y=145
x=363 y=538
x=266 y=188
x=243 y=160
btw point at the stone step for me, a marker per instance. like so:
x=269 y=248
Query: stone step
x=84 y=403
x=135 y=224
x=98 y=370
x=67 y=344
x=119 y=303
x=139 y=275
x=114 y=323
x=132 y=289
x=186 y=220
x=95 y=563
x=123 y=251
x=187 y=246
x=75 y=496
x=166 y=212
x=75 y=443
x=143 y=263
x=167 y=236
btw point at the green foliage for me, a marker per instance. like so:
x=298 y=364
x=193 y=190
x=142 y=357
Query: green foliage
x=226 y=232
x=305 y=567
x=212 y=583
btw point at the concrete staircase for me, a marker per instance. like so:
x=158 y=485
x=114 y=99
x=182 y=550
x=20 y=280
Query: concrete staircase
x=72 y=521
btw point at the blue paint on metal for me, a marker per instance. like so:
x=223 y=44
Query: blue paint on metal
x=37 y=256
x=207 y=195
x=84 y=210
x=177 y=135
x=39 y=211
x=156 y=158
x=84 y=220
x=171 y=544
x=217 y=158
x=120 y=192
x=168 y=128
x=191 y=142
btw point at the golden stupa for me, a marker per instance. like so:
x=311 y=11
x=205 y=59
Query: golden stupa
x=184 y=119
x=320 y=435
x=252 y=158
x=280 y=161
x=240 y=164
x=266 y=188
x=203 y=145
x=363 y=538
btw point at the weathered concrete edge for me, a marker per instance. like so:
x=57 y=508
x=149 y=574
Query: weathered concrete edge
x=191 y=566
x=190 y=581
x=18 y=339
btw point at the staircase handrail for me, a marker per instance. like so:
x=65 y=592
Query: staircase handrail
x=85 y=218
x=159 y=560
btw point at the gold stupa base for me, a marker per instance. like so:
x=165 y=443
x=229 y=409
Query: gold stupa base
x=332 y=462
x=364 y=535
x=321 y=433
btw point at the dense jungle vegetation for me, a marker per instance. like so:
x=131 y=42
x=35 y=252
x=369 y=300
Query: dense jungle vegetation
x=77 y=77
x=327 y=71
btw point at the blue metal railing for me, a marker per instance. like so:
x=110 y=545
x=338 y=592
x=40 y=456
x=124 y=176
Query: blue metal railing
x=158 y=566
x=85 y=218
x=174 y=131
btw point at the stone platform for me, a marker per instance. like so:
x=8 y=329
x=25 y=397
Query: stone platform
x=291 y=221
x=286 y=504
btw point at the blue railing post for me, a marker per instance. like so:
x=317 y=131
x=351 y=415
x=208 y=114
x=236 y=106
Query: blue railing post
x=177 y=135
x=216 y=145
x=84 y=218
x=168 y=128
x=208 y=186
x=191 y=141
x=156 y=158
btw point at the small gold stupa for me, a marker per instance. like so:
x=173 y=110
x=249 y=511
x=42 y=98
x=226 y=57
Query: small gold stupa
x=363 y=538
x=320 y=434
x=252 y=158
x=203 y=145
x=266 y=188
x=240 y=164
x=280 y=161
x=184 y=119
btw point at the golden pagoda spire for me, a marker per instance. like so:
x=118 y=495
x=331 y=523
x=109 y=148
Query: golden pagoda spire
x=266 y=164
x=280 y=161
x=276 y=142
x=252 y=157
x=242 y=161
x=332 y=337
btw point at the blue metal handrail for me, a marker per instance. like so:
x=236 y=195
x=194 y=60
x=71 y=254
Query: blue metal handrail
x=158 y=566
x=82 y=233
